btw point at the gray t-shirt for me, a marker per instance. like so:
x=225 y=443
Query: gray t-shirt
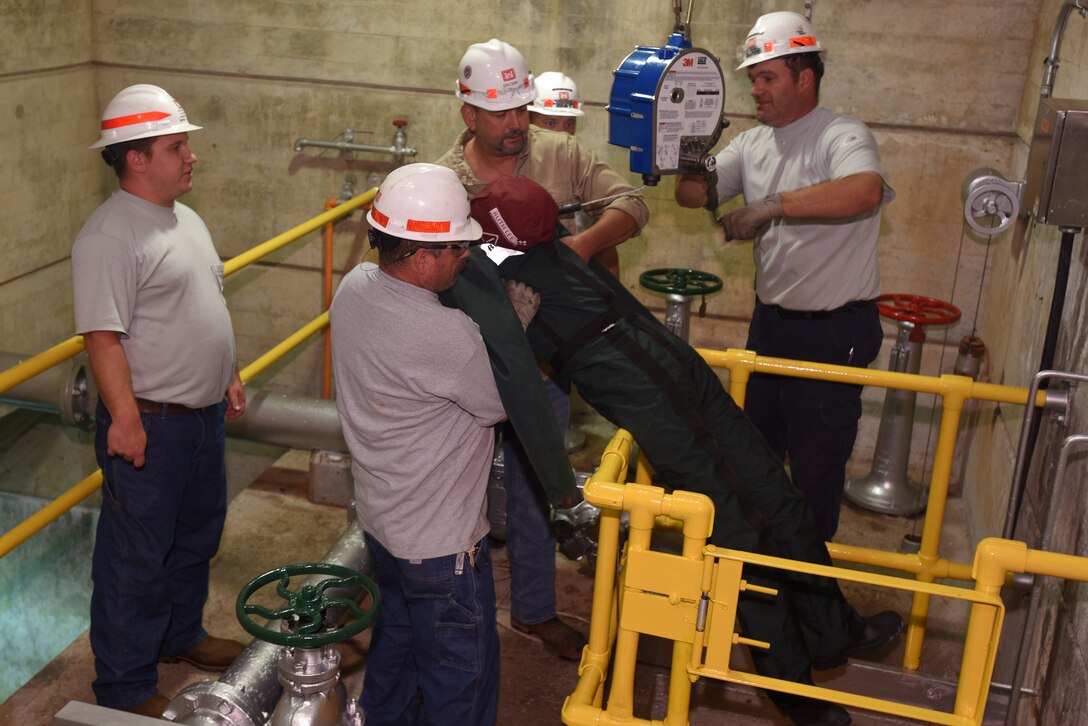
x=417 y=401
x=808 y=264
x=151 y=273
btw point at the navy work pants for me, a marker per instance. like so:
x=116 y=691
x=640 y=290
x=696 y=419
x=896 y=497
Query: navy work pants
x=812 y=424
x=159 y=528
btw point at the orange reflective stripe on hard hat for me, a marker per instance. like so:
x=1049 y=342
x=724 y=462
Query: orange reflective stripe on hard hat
x=136 y=118
x=418 y=225
x=802 y=40
x=382 y=219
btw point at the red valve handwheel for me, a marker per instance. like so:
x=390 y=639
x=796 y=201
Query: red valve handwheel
x=917 y=309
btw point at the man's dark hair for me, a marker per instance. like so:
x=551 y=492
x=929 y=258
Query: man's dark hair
x=115 y=154
x=800 y=61
x=392 y=249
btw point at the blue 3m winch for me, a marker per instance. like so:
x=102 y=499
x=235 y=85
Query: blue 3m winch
x=666 y=107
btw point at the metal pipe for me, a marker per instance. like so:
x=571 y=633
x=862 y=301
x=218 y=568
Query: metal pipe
x=251 y=686
x=1052 y=62
x=348 y=146
x=281 y=419
x=1033 y=607
x=35 y=523
x=40 y=363
x=297 y=422
x=66 y=388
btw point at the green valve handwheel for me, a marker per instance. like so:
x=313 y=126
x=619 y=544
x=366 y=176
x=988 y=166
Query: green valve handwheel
x=678 y=281
x=306 y=607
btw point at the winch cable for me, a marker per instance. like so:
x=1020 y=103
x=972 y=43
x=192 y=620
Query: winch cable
x=593 y=203
x=944 y=345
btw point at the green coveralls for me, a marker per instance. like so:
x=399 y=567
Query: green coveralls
x=643 y=378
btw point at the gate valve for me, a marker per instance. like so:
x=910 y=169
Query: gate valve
x=917 y=309
x=683 y=282
x=306 y=608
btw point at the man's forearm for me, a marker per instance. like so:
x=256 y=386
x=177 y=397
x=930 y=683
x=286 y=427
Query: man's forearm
x=612 y=228
x=112 y=375
x=836 y=199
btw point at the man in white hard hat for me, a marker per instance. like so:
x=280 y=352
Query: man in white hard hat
x=496 y=89
x=557 y=105
x=418 y=403
x=148 y=297
x=813 y=187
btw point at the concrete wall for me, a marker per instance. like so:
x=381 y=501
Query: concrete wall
x=48 y=185
x=1020 y=291
x=946 y=85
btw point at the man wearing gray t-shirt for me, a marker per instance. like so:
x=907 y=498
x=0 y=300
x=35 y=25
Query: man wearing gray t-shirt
x=418 y=402
x=148 y=295
x=813 y=185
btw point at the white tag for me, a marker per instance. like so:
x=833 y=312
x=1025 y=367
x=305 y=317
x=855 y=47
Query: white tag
x=498 y=254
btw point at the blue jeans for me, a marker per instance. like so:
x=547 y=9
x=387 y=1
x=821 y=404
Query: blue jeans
x=529 y=538
x=159 y=527
x=435 y=635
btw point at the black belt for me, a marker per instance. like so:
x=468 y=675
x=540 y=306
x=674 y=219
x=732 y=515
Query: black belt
x=145 y=406
x=788 y=314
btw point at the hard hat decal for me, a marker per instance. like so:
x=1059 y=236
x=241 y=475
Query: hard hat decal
x=419 y=225
x=467 y=72
x=508 y=74
x=136 y=118
x=778 y=34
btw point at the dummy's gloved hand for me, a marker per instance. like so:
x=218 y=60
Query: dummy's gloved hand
x=746 y=222
x=524 y=299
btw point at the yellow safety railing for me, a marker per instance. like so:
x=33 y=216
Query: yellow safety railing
x=36 y=522
x=691 y=599
x=24 y=371
x=63 y=351
x=927 y=565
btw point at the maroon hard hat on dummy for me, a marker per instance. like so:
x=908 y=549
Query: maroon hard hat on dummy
x=516 y=213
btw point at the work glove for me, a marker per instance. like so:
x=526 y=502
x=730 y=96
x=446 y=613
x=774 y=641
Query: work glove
x=747 y=221
x=524 y=299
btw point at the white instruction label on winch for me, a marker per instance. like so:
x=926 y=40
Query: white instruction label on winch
x=689 y=107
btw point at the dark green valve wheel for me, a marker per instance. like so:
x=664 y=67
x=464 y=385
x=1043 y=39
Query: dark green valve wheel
x=306 y=607
x=678 y=281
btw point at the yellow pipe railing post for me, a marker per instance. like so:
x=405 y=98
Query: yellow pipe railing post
x=266 y=248
x=993 y=559
x=957 y=390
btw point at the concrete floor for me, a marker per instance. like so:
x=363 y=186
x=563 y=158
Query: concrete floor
x=272 y=523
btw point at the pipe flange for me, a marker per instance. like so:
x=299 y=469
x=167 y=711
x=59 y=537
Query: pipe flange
x=213 y=702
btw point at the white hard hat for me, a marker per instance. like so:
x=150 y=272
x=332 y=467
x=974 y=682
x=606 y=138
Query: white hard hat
x=424 y=203
x=556 y=95
x=494 y=76
x=140 y=112
x=777 y=34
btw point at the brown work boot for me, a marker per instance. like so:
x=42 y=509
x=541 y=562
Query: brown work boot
x=555 y=635
x=152 y=707
x=213 y=654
